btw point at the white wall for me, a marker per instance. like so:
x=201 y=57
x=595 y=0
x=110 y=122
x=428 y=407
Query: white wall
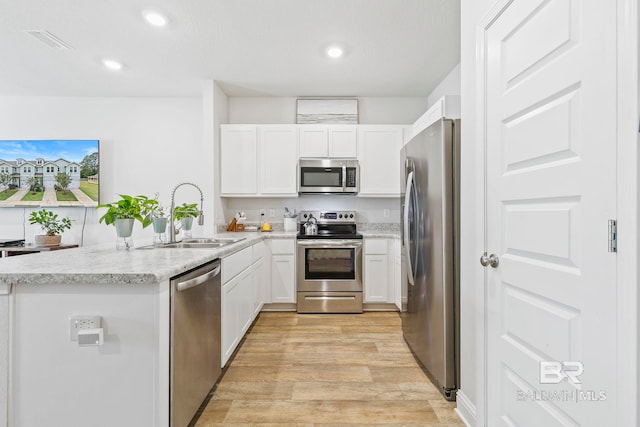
x=272 y=110
x=148 y=145
x=450 y=85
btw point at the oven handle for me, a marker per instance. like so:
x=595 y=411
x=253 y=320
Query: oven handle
x=329 y=242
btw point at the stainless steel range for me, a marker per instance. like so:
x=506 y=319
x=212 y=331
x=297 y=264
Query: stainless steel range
x=329 y=263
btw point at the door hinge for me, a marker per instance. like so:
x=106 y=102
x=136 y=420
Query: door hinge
x=613 y=236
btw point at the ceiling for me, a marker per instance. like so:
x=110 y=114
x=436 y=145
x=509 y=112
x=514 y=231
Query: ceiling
x=251 y=47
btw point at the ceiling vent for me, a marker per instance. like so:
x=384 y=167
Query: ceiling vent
x=49 y=39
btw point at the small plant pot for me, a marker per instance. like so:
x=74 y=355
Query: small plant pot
x=46 y=240
x=124 y=227
x=187 y=223
x=159 y=225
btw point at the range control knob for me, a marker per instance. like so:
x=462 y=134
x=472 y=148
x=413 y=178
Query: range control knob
x=305 y=215
x=351 y=216
x=340 y=216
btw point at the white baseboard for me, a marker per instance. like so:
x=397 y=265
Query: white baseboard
x=465 y=409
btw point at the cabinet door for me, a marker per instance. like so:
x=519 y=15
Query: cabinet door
x=342 y=141
x=375 y=278
x=258 y=286
x=245 y=301
x=278 y=160
x=283 y=278
x=238 y=160
x=229 y=317
x=379 y=155
x=313 y=141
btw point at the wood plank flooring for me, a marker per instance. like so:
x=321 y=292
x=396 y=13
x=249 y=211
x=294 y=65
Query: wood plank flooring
x=326 y=370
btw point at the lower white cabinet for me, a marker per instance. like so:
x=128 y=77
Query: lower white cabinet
x=381 y=271
x=242 y=294
x=259 y=275
x=376 y=272
x=237 y=311
x=283 y=270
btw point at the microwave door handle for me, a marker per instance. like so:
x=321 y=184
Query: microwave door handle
x=344 y=178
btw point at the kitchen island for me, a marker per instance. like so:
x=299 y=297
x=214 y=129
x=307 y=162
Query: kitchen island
x=47 y=379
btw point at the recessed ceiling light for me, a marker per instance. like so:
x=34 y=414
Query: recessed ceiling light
x=155 y=18
x=335 y=52
x=112 y=64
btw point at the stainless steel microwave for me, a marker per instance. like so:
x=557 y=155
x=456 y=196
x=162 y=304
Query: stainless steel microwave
x=328 y=176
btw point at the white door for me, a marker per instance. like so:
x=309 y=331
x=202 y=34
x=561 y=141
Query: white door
x=238 y=159
x=550 y=147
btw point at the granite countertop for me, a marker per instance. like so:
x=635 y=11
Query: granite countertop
x=381 y=234
x=105 y=265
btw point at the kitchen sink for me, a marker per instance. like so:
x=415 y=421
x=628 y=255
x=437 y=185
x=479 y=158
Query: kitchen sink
x=187 y=245
x=206 y=240
x=199 y=243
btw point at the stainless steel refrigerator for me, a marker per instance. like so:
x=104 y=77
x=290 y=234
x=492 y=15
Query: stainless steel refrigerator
x=430 y=250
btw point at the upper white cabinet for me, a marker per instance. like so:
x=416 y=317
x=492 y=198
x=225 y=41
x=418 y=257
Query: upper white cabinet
x=337 y=141
x=267 y=152
x=238 y=159
x=278 y=160
x=379 y=157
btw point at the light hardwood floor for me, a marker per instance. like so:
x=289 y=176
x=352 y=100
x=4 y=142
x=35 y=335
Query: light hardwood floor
x=326 y=370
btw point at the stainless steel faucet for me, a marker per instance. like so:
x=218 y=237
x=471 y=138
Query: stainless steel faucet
x=172 y=228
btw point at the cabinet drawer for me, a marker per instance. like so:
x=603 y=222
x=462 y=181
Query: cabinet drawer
x=375 y=246
x=258 y=251
x=283 y=246
x=235 y=263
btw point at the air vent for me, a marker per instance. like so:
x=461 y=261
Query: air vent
x=49 y=39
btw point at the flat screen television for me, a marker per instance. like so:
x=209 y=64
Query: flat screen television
x=49 y=173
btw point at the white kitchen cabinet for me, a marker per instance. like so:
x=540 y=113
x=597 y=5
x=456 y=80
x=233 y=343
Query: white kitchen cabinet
x=242 y=274
x=278 y=160
x=259 y=276
x=336 y=141
x=238 y=160
x=283 y=270
x=379 y=158
x=267 y=152
x=379 y=282
x=397 y=274
x=233 y=316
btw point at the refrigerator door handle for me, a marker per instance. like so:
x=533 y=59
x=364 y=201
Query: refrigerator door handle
x=407 y=203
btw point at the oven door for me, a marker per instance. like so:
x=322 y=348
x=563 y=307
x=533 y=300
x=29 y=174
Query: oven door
x=327 y=265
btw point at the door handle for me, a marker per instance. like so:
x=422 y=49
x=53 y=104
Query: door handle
x=484 y=260
x=489 y=260
x=494 y=260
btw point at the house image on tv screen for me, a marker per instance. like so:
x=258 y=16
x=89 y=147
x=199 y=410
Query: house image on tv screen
x=49 y=173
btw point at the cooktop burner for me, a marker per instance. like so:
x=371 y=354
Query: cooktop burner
x=343 y=236
x=331 y=225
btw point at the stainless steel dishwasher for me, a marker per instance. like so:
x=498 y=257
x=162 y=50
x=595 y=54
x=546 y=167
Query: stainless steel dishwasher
x=195 y=340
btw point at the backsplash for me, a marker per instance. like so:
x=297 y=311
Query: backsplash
x=369 y=210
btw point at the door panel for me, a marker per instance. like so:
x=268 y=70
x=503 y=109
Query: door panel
x=550 y=145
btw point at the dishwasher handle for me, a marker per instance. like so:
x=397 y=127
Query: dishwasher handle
x=196 y=281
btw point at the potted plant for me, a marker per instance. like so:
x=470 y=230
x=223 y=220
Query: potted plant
x=159 y=222
x=124 y=212
x=51 y=225
x=185 y=214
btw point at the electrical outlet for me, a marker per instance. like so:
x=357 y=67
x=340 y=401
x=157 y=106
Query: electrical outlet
x=82 y=322
x=272 y=213
x=387 y=213
x=263 y=212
